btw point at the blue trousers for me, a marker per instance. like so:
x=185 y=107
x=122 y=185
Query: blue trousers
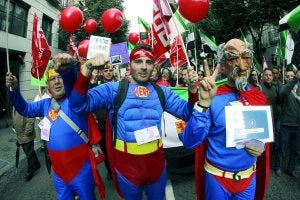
x=83 y=185
x=154 y=191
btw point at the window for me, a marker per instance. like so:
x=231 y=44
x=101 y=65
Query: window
x=2 y=15
x=62 y=40
x=18 y=20
x=47 y=28
x=17 y=23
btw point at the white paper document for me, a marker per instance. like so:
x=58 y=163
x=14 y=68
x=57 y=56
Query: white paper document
x=245 y=124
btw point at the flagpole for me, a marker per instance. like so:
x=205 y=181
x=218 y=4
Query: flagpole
x=6 y=22
x=177 y=55
x=195 y=49
x=177 y=81
x=152 y=36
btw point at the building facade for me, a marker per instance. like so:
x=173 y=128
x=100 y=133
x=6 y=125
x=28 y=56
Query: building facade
x=15 y=39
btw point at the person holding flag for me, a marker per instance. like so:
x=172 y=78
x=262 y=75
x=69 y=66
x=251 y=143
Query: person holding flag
x=73 y=167
x=229 y=173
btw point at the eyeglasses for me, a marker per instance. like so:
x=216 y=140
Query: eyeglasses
x=253 y=74
x=108 y=70
x=200 y=74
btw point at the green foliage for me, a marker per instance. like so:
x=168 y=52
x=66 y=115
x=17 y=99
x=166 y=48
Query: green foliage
x=227 y=18
x=94 y=9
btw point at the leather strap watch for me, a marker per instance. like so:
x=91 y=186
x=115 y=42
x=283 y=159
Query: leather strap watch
x=200 y=108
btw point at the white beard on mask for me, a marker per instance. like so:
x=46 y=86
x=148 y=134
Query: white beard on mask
x=240 y=82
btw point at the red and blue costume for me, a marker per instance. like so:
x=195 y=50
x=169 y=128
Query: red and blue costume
x=140 y=167
x=223 y=164
x=70 y=156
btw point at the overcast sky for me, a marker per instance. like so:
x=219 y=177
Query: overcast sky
x=135 y=8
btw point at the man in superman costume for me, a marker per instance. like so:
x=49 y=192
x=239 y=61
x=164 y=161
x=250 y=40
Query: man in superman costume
x=139 y=164
x=228 y=173
x=73 y=164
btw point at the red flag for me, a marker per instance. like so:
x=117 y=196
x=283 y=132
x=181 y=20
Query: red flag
x=72 y=48
x=41 y=52
x=177 y=54
x=161 y=15
x=161 y=59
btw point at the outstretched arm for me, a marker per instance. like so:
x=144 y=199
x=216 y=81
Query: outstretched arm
x=79 y=99
x=26 y=109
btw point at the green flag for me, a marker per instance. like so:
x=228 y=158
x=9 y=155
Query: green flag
x=213 y=39
x=208 y=42
x=182 y=92
x=281 y=49
x=221 y=82
x=257 y=65
x=291 y=20
x=143 y=28
x=177 y=25
x=243 y=38
x=130 y=46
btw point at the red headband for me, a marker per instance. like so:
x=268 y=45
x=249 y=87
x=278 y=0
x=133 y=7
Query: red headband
x=136 y=54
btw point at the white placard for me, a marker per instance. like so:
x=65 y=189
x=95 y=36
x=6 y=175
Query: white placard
x=171 y=127
x=98 y=45
x=246 y=123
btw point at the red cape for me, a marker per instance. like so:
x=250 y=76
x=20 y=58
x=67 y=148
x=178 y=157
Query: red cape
x=254 y=97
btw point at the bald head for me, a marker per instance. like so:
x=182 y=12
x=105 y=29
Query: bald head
x=236 y=62
x=236 y=45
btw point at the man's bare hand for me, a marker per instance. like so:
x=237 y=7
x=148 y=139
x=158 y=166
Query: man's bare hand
x=11 y=81
x=253 y=150
x=62 y=62
x=192 y=79
x=208 y=87
x=94 y=63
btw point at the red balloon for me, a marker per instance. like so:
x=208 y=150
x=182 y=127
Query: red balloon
x=193 y=10
x=83 y=47
x=133 y=37
x=70 y=19
x=90 y=26
x=111 y=20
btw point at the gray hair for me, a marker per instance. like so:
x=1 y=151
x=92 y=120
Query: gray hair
x=221 y=54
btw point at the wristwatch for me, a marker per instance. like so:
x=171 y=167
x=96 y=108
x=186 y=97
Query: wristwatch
x=200 y=108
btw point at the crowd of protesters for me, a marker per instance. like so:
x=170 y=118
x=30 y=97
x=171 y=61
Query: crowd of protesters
x=282 y=91
x=283 y=95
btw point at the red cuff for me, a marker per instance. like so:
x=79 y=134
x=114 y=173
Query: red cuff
x=82 y=84
x=193 y=98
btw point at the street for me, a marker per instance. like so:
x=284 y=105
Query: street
x=179 y=186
